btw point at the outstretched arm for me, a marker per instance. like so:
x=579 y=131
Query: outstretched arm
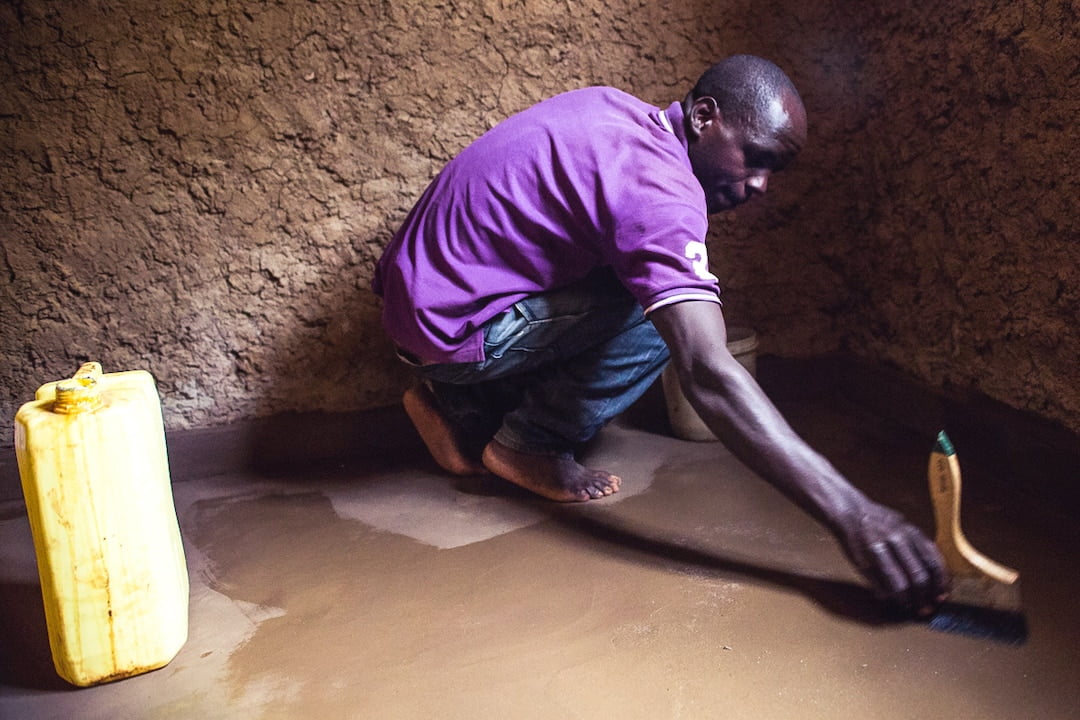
x=904 y=566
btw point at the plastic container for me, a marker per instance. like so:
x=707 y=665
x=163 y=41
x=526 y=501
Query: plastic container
x=95 y=476
x=685 y=422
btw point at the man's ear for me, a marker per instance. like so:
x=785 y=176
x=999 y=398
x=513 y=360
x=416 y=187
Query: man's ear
x=703 y=112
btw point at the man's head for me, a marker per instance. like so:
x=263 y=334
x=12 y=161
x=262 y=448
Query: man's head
x=744 y=121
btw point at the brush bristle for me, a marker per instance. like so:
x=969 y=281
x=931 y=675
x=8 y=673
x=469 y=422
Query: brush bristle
x=999 y=625
x=983 y=608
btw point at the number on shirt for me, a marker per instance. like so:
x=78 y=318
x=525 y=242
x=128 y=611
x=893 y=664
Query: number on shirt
x=698 y=255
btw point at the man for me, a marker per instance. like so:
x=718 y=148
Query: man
x=553 y=268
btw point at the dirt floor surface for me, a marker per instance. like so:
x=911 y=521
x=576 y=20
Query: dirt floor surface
x=389 y=591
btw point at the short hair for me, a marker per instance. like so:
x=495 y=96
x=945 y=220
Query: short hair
x=744 y=86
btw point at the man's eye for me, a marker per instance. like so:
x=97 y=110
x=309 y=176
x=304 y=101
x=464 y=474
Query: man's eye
x=761 y=158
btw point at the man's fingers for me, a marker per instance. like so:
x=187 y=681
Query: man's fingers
x=917 y=592
x=938 y=583
x=910 y=573
x=891 y=579
x=903 y=565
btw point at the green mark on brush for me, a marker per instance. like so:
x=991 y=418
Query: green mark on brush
x=944 y=446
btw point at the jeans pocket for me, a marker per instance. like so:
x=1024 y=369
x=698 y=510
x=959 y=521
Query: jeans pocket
x=501 y=331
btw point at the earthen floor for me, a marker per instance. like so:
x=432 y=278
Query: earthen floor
x=385 y=590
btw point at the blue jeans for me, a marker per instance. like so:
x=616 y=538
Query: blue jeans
x=558 y=366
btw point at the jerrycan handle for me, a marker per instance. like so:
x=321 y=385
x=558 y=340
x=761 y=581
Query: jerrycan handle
x=80 y=393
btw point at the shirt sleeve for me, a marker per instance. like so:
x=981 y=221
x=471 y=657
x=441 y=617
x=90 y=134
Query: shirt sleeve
x=659 y=225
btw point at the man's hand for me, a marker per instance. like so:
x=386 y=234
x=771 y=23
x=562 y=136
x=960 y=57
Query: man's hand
x=904 y=566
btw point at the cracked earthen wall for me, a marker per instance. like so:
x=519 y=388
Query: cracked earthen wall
x=200 y=189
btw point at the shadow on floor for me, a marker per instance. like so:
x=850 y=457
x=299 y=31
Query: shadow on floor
x=25 y=659
x=851 y=601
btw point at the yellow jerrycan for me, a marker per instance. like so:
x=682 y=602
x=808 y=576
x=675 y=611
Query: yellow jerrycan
x=95 y=475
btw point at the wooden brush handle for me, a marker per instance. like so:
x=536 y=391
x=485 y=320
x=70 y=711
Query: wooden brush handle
x=961 y=558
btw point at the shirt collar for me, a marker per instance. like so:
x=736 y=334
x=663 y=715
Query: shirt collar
x=672 y=120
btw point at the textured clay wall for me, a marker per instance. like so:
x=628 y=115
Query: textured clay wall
x=967 y=269
x=200 y=188
x=938 y=198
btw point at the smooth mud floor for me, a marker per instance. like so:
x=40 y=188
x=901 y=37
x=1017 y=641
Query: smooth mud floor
x=390 y=591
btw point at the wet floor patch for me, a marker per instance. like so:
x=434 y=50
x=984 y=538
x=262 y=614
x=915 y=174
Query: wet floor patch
x=701 y=593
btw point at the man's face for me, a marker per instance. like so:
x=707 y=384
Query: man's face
x=732 y=161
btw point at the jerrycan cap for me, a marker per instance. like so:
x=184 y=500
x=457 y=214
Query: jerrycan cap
x=81 y=392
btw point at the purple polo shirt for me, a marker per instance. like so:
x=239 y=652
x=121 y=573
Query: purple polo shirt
x=589 y=178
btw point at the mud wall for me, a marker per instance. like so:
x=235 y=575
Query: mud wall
x=200 y=189
x=931 y=224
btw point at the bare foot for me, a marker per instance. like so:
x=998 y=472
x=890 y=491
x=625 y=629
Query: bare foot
x=435 y=431
x=555 y=478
